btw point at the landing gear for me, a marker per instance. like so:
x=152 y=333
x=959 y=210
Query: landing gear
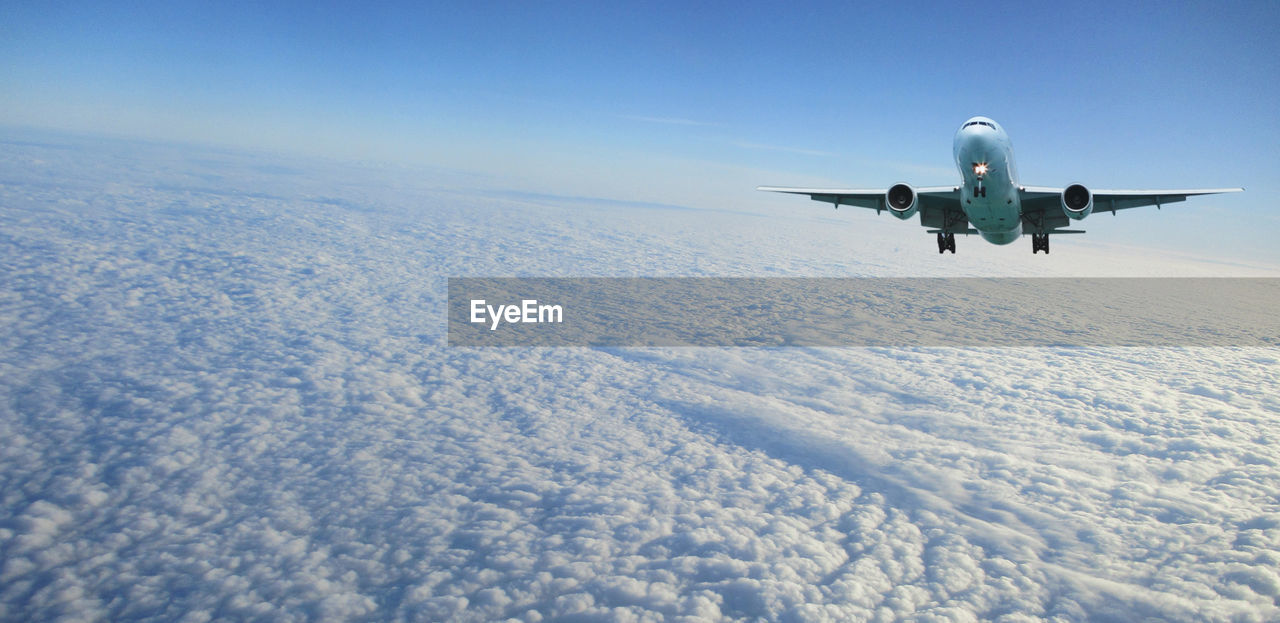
x=1039 y=242
x=979 y=191
x=946 y=242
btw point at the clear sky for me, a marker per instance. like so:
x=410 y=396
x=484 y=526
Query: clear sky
x=682 y=103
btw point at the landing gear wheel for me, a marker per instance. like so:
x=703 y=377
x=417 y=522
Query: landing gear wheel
x=942 y=242
x=1039 y=242
x=951 y=243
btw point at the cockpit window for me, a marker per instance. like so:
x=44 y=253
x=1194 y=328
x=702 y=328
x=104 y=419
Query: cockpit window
x=986 y=123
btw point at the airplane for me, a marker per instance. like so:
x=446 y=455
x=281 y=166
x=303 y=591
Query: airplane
x=989 y=200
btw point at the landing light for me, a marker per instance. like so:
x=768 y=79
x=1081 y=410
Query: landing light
x=980 y=169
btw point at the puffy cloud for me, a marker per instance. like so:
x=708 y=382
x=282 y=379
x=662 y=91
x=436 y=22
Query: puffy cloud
x=228 y=396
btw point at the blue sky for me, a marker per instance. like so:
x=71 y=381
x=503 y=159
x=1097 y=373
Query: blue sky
x=674 y=103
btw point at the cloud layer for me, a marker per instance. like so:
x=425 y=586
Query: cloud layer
x=227 y=395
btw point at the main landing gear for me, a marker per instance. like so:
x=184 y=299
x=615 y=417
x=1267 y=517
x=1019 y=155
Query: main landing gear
x=1039 y=242
x=946 y=242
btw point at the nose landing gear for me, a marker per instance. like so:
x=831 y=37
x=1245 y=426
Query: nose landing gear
x=946 y=242
x=979 y=172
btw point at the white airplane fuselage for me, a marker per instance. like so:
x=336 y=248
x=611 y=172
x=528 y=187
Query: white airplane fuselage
x=989 y=187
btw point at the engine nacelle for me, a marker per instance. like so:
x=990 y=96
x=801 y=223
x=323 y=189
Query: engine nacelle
x=902 y=201
x=1077 y=201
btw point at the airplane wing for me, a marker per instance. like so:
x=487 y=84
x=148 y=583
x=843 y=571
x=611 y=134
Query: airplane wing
x=1045 y=202
x=1041 y=205
x=871 y=198
x=939 y=205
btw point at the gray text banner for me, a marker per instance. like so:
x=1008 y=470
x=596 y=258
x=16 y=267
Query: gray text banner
x=873 y=312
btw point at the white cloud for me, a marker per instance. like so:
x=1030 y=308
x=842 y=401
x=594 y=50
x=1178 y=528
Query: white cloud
x=227 y=396
x=790 y=150
x=667 y=120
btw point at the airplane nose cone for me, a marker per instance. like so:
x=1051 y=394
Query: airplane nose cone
x=986 y=138
x=980 y=140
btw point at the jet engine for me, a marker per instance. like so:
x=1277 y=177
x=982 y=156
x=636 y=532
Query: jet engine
x=901 y=200
x=1077 y=201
